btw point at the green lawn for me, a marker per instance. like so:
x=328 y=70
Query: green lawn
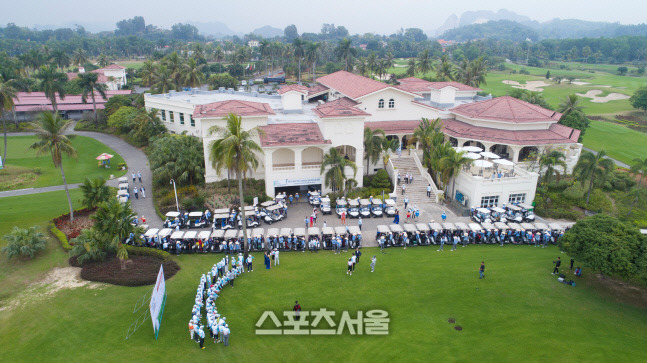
x=21 y=159
x=519 y=312
x=620 y=142
x=26 y=211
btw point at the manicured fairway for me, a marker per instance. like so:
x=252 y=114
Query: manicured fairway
x=621 y=143
x=519 y=312
x=20 y=156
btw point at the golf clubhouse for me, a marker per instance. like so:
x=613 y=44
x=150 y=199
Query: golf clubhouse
x=300 y=124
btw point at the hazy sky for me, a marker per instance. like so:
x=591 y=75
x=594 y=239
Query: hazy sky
x=380 y=16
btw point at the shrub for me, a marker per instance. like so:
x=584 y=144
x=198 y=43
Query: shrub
x=24 y=242
x=60 y=236
x=381 y=180
x=145 y=251
x=575 y=191
x=122 y=119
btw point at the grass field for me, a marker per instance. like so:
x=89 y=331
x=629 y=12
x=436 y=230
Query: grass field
x=621 y=143
x=26 y=211
x=519 y=312
x=23 y=161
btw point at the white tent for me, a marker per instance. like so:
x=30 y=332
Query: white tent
x=489 y=155
x=482 y=163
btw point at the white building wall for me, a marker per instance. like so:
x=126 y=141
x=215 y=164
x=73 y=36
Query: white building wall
x=474 y=188
x=292 y=101
x=403 y=110
x=505 y=125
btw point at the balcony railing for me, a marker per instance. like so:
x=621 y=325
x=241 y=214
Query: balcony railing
x=283 y=167
x=308 y=166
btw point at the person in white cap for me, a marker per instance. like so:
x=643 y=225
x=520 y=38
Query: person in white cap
x=276 y=257
x=201 y=334
x=225 y=335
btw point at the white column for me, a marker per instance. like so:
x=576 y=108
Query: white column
x=269 y=182
x=297 y=158
x=515 y=152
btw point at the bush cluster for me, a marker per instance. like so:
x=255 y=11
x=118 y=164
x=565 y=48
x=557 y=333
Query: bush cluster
x=60 y=236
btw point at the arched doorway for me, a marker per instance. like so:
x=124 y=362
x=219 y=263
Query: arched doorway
x=501 y=150
x=474 y=143
x=347 y=151
x=453 y=141
x=283 y=159
x=528 y=152
x=311 y=158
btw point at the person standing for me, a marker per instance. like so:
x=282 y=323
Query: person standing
x=443 y=216
x=358 y=254
x=139 y=176
x=249 y=263
x=306 y=222
x=133 y=175
x=143 y=191
x=276 y=257
x=359 y=223
x=442 y=242
x=454 y=243
x=135 y=191
x=406 y=202
x=557 y=264
x=297 y=310
x=482 y=270
x=267 y=261
x=428 y=190
x=353 y=259
x=350 y=267
x=373 y=260
x=403 y=188
x=396 y=219
x=343 y=217
x=290 y=199
x=296 y=196
x=225 y=335
x=311 y=221
x=572 y=262
x=201 y=334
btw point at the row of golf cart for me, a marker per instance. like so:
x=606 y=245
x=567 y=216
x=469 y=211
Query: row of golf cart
x=227 y=218
x=365 y=208
x=424 y=234
x=231 y=240
x=517 y=213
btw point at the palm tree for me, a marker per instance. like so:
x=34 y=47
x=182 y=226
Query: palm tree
x=423 y=63
x=219 y=56
x=163 y=80
x=426 y=132
x=451 y=165
x=389 y=59
x=313 y=50
x=240 y=151
x=411 y=67
x=60 y=58
x=7 y=95
x=361 y=66
x=381 y=67
x=79 y=57
x=95 y=191
x=640 y=167
x=51 y=83
x=24 y=242
x=570 y=104
x=335 y=176
x=551 y=161
x=387 y=147
x=89 y=85
x=372 y=145
x=593 y=167
x=113 y=222
x=193 y=75
x=444 y=69
x=147 y=73
x=299 y=51
x=103 y=60
x=371 y=63
x=173 y=63
x=473 y=73
x=50 y=131
x=345 y=52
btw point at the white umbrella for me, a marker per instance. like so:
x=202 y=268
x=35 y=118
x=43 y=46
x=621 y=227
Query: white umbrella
x=458 y=149
x=482 y=163
x=503 y=162
x=474 y=149
x=472 y=156
x=489 y=155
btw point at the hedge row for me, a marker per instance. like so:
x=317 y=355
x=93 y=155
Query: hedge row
x=60 y=236
x=145 y=251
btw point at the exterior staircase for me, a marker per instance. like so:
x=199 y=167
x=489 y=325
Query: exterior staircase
x=416 y=191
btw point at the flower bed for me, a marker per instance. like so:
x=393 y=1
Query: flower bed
x=138 y=271
x=82 y=220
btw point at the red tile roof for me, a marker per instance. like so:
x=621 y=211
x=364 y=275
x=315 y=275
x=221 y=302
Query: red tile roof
x=555 y=134
x=114 y=66
x=292 y=134
x=394 y=127
x=350 y=84
x=317 y=88
x=342 y=107
x=36 y=101
x=507 y=109
x=240 y=108
x=101 y=79
x=293 y=87
x=417 y=85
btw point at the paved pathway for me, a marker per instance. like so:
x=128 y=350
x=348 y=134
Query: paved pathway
x=136 y=161
x=618 y=163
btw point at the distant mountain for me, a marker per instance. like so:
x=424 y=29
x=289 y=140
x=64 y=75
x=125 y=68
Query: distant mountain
x=451 y=23
x=483 y=16
x=500 y=29
x=215 y=29
x=268 y=32
x=575 y=28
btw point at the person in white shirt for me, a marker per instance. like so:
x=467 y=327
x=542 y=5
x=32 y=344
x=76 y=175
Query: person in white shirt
x=276 y=257
x=353 y=259
x=225 y=335
x=373 y=260
x=350 y=267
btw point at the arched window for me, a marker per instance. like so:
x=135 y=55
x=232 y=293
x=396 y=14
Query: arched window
x=380 y=103
x=392 y=103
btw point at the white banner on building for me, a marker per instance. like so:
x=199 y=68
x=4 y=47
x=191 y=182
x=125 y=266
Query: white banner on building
x=158 y=300
x=295 y=182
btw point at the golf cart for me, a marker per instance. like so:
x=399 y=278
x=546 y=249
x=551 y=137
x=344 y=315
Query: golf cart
x=436 y=229
x=340 y=207
x=423 y=230
x=150 y=237
x=384 y=236
x=325 y=206
x=481 y=215
x=218 y=240
x=343 y=233
x=412 y=233
x=231 y=241
x=365 y=208
x=389 y=210
x=376 y=209
x=123 y=186
x=327 y=234
x=250 y=215
x=299 y=240
x=272 y=238
x=314 y=239
x=285 y=236
x=258 y=239
x=314 y=199
x=173 y=220
x=197 y=220
x=273 y=214
x=527 y=212
x=163 y=236
x=221 y=221
x=396 y=232
x=175 y=238
x=190 y=241
x=355 y=237
x=205 y=237
x=513 y=213
x=498 y=214
x=353 y=208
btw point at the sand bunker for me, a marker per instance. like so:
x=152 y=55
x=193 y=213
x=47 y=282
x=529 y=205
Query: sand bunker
x=534 y=86
x=580 y=83
x=593 y=95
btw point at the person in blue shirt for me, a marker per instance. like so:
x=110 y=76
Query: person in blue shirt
x=443 y=216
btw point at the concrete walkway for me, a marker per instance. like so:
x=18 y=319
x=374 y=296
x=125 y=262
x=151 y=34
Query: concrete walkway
x=136 y=161
x=618 y=163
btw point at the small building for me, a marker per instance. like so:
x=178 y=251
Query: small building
x=27 y=105
x=113 y=76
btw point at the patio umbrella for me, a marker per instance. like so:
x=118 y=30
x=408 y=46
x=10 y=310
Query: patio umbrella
x=472 y=156
x=503 y=162
x=482 y=163
x=474 y=149
x=459 y=149
x=104 y=156
x=489 y=155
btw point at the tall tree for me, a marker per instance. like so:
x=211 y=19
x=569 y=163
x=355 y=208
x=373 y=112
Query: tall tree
x=371 y=63
x=372 y=145
x=423 y=62
x=345 y=52
x=95 y=191
x=50 y=131
x=593 y=167
x=147 y=73
x=336 y=164
x=551 y=162
x=387 y=147
x=103 y=60
x=163 y=82
x=7 y=95
x=90 y=86
x=639 y=99
x=113 y=222
x=451 y=166
x=60 y=58
x=445 y=69
x=312 y=53
x=639 y=167
x=79 y=57
x=238 y=146
x=298 y=48
x=193 y=75
x=570 y=103
x=361 y=66
x=52 y=82
x=411 y=67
